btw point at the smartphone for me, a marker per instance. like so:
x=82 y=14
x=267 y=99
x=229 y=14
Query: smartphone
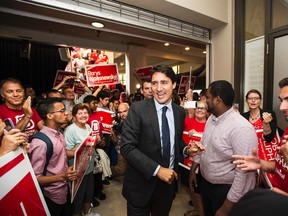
x=9 y=124
x=190 y=104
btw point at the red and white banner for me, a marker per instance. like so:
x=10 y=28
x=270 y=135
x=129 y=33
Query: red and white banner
x=266 y=151
x=184 y=84
x=76 y=86
x=143 y=73
x=101 y=74
x=82 y=161
x=20 y=193
x=106 y=119
x=189 y=141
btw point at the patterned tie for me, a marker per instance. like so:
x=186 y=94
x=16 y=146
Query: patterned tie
x=165 y=138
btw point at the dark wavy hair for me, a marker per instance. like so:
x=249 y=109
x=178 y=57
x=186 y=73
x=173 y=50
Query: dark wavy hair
x=165 y=69
x=46 y=106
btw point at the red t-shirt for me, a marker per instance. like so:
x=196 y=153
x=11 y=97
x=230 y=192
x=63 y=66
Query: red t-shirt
x=189 y=124
x=95 y=123
x=281 y=169
x=17 y=115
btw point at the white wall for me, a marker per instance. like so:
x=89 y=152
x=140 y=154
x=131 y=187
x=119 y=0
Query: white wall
x=222 y=49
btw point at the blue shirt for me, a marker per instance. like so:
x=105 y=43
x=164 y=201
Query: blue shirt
x=170 y=118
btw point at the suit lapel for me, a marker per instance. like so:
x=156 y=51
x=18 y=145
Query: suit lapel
x=152 y=114
x=176 y=120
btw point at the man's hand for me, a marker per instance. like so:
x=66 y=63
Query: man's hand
x=167 y=175
x=27 y=108
x=2 y=126
x=12 y=140
x=284 y=147
x=70 y=174
x=195 y=148
x=225 y=208
x=248 y=163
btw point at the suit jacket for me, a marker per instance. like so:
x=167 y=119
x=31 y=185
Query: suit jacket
x=141 y=147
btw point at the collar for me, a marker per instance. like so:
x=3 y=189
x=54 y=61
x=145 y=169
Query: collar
x=54 y=132
x=223 y=116
x=160 y=106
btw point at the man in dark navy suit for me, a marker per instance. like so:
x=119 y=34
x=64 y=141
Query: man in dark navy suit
x=150 y=178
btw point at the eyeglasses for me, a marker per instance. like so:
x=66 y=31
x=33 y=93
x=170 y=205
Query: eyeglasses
x=253 y=98
x=201 y=108
x=61 y=111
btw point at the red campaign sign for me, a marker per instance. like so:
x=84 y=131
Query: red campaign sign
x=189 y=141
x=266 y=151
x=82 y=161
x=78 y=89
x=183 y=84
x=101 y=74
x=106 y=119
x=20 y=193
x=143 y=73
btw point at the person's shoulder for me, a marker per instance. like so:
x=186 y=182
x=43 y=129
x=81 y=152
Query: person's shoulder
x=70 y=128
x=246 y=114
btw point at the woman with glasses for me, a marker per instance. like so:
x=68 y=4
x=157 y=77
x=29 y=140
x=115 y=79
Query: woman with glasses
x=265 y=124
x=194 y=128
x=259 y=118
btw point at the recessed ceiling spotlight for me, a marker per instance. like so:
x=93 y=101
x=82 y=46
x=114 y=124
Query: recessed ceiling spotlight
x=166 y=44
x=187 y=48
x=204 y=52
x=97 y=24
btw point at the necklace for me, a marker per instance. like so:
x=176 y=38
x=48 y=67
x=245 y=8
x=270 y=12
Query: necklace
x=254 y=118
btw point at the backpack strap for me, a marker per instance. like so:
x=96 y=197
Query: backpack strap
x=49 y=152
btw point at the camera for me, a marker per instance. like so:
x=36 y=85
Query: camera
x=71 y=80
x=117 y=124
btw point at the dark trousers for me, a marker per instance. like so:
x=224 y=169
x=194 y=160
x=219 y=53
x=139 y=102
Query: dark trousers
x=213 y=196
x=160 y=203
x=98 y=185
x=58 y=209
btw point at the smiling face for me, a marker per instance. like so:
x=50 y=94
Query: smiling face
x=13 y=93
x=253 y=100
x=201 y=110
x=82 y=116
x=162 y=88
x=283 y=96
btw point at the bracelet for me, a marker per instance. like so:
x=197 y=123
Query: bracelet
x=26 y=117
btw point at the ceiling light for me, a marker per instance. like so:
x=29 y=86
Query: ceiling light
x=97 y=24
x=166 y=44
x=187 y=48
x=121 y=63
x=204 y=52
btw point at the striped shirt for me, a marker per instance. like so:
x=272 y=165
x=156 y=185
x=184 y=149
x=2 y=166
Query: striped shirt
x=224 y=136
